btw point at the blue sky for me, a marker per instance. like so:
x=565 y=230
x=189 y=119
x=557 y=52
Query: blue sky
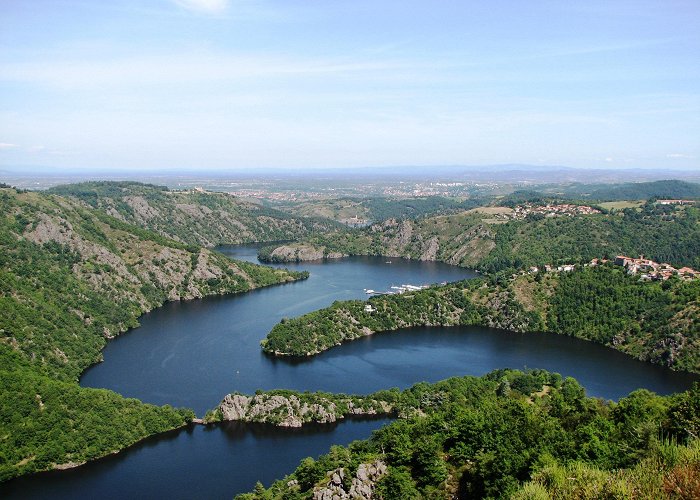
x=168 y=84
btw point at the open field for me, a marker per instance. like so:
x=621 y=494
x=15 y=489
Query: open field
x=620 y=205
x=491 y=210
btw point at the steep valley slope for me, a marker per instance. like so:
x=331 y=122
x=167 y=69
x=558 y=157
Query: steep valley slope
x=194 y=217
x=488 y=240
x=72 y=277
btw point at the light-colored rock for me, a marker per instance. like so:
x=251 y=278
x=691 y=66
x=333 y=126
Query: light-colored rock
x=290 y=411
x=361 y=487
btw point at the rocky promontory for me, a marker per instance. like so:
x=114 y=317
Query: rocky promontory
x=290 y=409
x=297 y=252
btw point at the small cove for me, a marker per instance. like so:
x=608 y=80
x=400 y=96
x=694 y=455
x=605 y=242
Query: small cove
x=193 y=353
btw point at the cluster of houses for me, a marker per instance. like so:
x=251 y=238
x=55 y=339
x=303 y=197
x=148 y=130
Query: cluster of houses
x=557 y=210
x=548 y=210
x=675 y=202
x=565 y=268
x=647 y=269
x=650 y=270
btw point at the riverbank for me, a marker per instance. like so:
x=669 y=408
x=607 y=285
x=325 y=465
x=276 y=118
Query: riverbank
x=71 y=279
x=649 y=321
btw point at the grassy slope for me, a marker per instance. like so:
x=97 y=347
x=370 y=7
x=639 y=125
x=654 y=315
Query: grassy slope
x=71 y=277
x=650 y=321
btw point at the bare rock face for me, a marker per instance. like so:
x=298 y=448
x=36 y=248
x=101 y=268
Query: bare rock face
x=290 y=411
x=234 y=406
x=298 y=252
x=431 y=249
x=142 y=210
x=361 y=487
x=283 y=411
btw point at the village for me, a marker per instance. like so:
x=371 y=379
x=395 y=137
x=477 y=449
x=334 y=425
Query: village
x=647 y=269
x=650 y=270
x=548 y=210
x=563 y=209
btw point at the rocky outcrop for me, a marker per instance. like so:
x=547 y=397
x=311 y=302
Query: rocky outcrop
x=290 y=410
x=431 y=249
x=130 y=260
x=361 y=486
x=142 y=210
x=302 y=252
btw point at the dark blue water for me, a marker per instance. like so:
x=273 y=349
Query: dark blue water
x=198 y=462
x=193 y=353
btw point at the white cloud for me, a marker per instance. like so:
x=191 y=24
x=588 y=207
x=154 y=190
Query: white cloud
x=680 y=155
x=204 y=6
x=7 y=145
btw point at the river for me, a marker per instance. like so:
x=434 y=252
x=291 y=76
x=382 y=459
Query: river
x=193 y=353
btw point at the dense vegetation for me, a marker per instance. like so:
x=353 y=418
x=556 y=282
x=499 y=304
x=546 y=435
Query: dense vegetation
x=71 y=277
x=628 y=191
x=662 y=233
x=193 y=217
x=531 y=435
x=475 y=239
x=377 y=208
x=668 y=189
x=46 y=422
x=653 y=321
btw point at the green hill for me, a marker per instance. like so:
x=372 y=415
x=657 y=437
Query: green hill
x=669 y=189
x=198 y=218
x=72 y=277
x=651 y=321
x=511 y=434
x=348 y=209
x=491 y=240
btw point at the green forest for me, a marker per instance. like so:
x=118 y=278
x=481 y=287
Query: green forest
x=652 y=321
x=524 y=435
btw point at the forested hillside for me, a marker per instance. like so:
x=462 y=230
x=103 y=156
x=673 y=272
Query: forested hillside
x=489 y=241
x=194 y=217
x=670 y=189
x=652 y=321
x=72 y=277
x=375 y=209
x=528 y=435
